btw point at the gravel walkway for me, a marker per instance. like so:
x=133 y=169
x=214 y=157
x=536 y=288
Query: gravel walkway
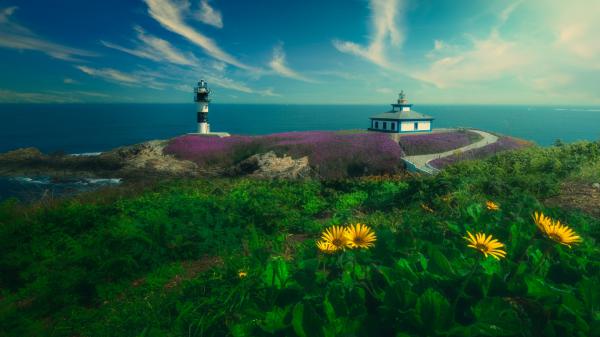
x=420 y=162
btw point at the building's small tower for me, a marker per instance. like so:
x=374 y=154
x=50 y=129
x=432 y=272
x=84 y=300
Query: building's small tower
x=402 y=104
x=201 y=93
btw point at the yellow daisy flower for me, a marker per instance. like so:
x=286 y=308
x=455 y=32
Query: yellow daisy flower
x=541 y=221
x=242 y=274
x=486 y=245
x=326 y=247
x=360 y=236
x=492 y=206
x=556 y=231
x=335 y=236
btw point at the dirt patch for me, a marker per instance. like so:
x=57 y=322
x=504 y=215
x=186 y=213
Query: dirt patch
x=193 y=268
x=579 y=196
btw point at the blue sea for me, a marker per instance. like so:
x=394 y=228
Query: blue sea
x=89 y=128
x=80 y=128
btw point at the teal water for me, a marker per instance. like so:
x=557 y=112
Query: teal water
x=78 y=128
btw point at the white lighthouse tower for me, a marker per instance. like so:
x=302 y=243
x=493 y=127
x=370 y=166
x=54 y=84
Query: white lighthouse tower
x=201 y=93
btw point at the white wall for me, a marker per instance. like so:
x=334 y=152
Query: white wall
x=409 y=126
x=424 y=125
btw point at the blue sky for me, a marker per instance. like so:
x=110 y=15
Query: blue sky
x=314 y=52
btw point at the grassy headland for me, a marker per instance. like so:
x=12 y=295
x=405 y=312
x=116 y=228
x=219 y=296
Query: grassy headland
x=237 y=257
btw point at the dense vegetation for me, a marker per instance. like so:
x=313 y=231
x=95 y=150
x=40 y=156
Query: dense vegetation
x=238 y=257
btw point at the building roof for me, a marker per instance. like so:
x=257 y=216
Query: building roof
x=402 y=115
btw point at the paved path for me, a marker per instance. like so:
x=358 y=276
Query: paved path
x=420 y=162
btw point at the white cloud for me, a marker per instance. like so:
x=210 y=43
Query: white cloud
x=383 y=21
x=154 y=48
x=486 y=60
x=384 y=90
x=16 y=36
x=576 y=31
x=209 y=15
x=506 y=13
x=549 y=50
x=10 y=96
x=110 y=75
x=280 y=67
x=171 y=16
x=69 y=81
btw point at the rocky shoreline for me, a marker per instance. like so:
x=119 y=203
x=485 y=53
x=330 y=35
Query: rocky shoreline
x=141 y=162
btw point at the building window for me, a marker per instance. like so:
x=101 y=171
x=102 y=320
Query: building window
x=384 y=125
x=416 y=125
x=394 y=126
x=376 y=125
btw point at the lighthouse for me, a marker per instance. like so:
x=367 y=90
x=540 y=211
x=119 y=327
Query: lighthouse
x=401 y=119
x=201 y=93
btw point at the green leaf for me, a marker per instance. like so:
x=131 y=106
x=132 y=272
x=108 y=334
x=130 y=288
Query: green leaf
x=439 y=263
x=474 y=211
x=305 y=321
x=423 y=261
x=298 y=320
x=496 y=317
x=537 y=288
x=405 y=269
x=275 y=319
x=276 y=273
x=491 y=266
x=433 y=311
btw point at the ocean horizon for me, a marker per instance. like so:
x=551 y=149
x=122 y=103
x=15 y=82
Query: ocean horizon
x=84 y=128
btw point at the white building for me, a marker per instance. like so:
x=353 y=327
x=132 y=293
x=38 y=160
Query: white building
x=401 y=119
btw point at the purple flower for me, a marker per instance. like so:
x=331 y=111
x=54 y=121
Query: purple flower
x=436 y=142
x=503 y=144
x=332 y=155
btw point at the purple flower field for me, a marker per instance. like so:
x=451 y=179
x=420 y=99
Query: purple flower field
x=503 y=144
x=331 y=154
x=437 y=142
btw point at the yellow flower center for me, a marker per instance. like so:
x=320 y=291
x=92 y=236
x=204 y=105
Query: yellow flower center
x=555 y=237
x=336 y=242
x=482 y=247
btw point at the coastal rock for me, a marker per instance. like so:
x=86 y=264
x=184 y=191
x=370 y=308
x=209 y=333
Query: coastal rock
x=22 y=155
x=149 y=158
x=270 y=166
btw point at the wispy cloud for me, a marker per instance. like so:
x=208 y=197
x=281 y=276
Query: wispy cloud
x=154 y=48
x=11 y=96
x=384 y=15
x=109 y=74
x=15 y=36
x=171 y=16
x=278 y=64
x=209 y=15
